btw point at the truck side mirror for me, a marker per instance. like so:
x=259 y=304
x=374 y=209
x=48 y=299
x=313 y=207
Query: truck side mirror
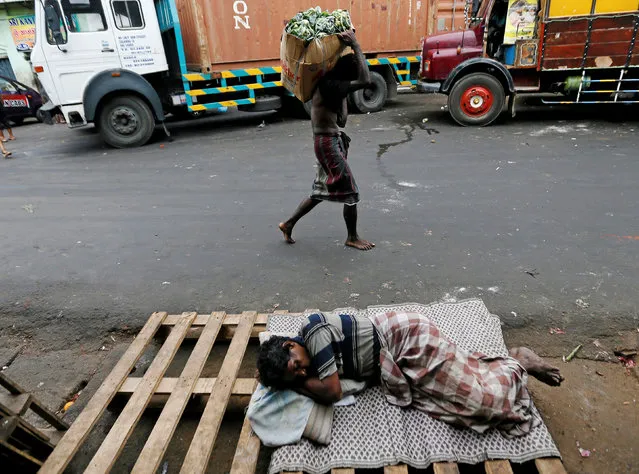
x=53 y=23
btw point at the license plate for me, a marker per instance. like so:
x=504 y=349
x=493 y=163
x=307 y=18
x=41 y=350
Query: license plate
x=14 y=103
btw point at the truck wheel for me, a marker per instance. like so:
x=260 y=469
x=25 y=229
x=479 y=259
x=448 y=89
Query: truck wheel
x=476 y=99
x=126 y=122
x=373 y=98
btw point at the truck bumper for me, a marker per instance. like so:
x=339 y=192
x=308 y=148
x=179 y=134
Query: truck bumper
x=47 y=112
x=424 y=87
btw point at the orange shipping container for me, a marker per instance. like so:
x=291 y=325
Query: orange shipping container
x=229 y=34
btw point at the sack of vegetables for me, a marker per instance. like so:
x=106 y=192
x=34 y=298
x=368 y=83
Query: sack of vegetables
x=310 y=48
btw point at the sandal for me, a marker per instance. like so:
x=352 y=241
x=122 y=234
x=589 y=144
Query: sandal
x=7 y=154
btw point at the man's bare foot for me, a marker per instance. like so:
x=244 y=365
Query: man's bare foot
x=359 y=244
x=536 y=366
x=287 y=229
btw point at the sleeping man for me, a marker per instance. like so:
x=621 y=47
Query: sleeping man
x=416 y=364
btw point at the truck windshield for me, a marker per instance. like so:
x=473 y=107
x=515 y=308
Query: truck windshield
x=84 y=16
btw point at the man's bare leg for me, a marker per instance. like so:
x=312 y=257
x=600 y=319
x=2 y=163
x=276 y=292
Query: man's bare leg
x=5 y=152
x=536 y=366
x=353 y=240
x=304 y=208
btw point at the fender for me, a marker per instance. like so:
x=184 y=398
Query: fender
x=478 y=65
x=119 y=80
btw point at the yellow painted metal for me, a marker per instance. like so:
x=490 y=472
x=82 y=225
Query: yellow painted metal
x=616 y=6
x=559 y=8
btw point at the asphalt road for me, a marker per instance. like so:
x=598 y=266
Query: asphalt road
x=536 y=215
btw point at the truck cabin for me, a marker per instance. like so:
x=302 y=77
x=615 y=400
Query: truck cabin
x=514 y=34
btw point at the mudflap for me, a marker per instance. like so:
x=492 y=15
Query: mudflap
x=511 y=105
x=48 y=112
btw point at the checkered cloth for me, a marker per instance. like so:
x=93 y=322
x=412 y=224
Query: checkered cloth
x=334 y=179
x=374 y=433
x=423 y=368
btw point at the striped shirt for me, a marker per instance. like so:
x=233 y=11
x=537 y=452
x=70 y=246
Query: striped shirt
x=342 y=343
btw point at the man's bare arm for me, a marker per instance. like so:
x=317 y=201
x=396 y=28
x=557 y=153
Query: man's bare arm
x=327 y=391
x=363 y=75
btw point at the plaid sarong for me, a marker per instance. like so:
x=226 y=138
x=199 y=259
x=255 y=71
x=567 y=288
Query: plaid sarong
x=422 y=368
x=334 y=180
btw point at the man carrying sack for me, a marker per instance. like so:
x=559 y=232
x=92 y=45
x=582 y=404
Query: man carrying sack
x=334 y=180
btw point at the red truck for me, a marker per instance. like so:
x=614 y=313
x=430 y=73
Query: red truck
x=580 y=51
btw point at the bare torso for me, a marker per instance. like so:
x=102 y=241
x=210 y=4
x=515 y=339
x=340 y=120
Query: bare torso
x=323 y=118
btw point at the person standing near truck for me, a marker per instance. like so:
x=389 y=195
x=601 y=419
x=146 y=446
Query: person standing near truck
x=334 y=180
x=4 y=125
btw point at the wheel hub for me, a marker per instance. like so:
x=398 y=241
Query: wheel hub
x=369 y=93
x=476 y=101
x=124 y=120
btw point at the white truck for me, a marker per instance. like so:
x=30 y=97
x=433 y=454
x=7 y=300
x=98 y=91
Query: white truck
x=125 y=64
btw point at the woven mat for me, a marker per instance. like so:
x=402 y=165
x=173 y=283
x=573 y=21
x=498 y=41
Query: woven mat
x=373 y=433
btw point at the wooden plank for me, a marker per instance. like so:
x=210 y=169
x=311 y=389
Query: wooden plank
x=202 y=319
x=20 y=453
x=71 y=441
x=203 y=386
x=567 y=37
x=401 y=469
x=617 y=61
x=10 y=385
x=12 y=405
x=600 y=36
x=197 y=457
x=609 y=49
x=7 y=427
x=48 y=416
x=112 y=445
x=553 y=27
x=552 y=64
x=613 y=23
x=550 y=466
x=499 y=466
x=158 y=441
x=564 y=51
x=247 y=451
x=445 y=468
x=36 y=406
x=342 y=471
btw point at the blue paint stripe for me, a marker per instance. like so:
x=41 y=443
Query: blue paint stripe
x=271 y=70
x=242 y=87
x=218 y=105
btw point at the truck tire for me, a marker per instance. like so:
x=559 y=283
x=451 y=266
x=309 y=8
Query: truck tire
x=476 y=99
x=126 y=122
x=373 y=98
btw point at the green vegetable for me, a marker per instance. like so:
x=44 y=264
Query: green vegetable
x=315 y=23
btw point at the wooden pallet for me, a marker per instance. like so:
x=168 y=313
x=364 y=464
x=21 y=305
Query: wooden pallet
x=177 y=391
x=21 y=443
